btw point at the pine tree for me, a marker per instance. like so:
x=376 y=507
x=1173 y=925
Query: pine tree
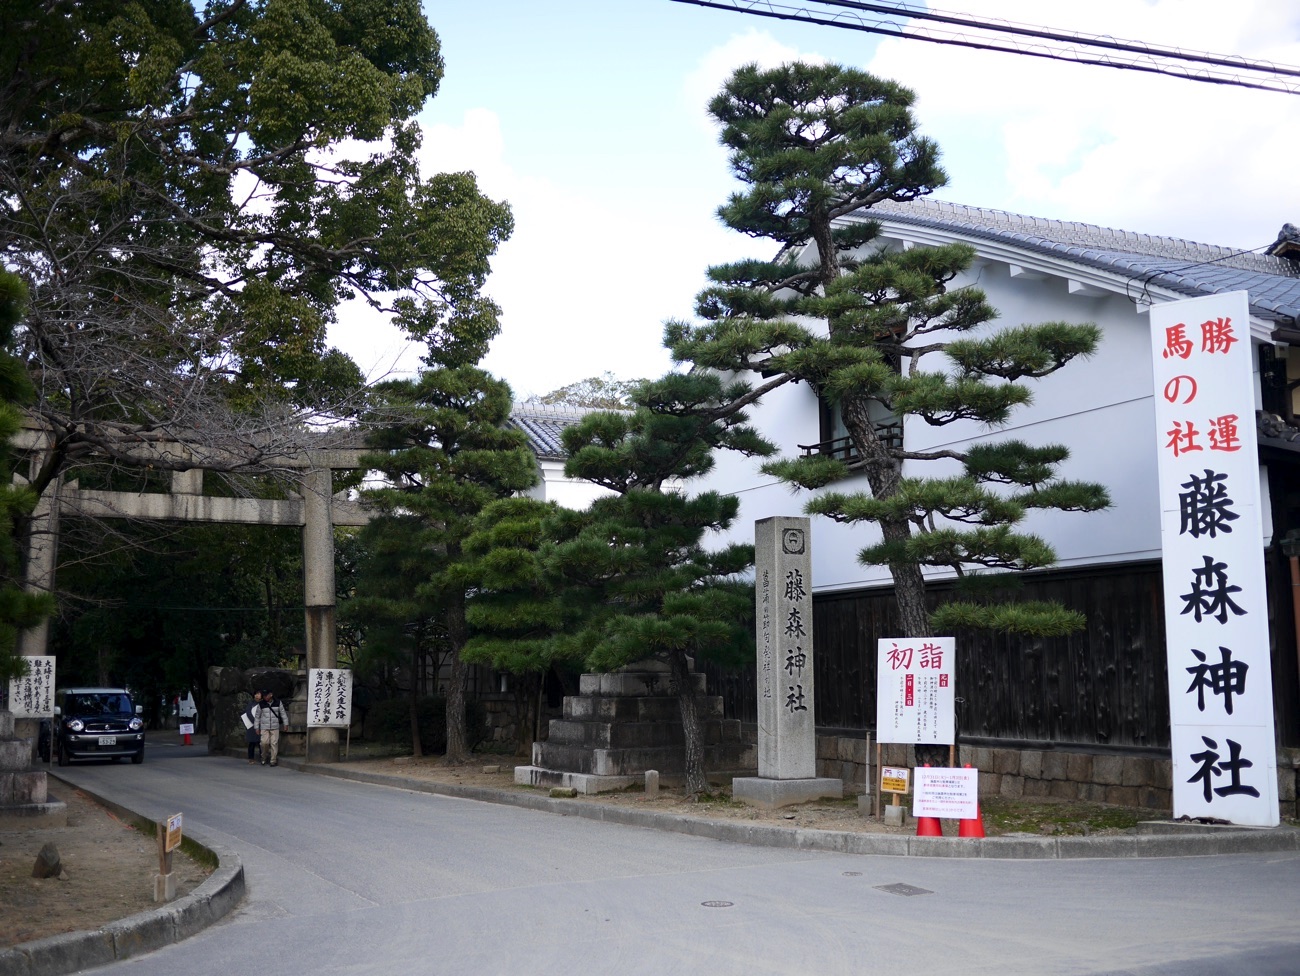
x=445 y=448
x=631 y=578
x=401 y=623
x=518 y=608
x=883 y=337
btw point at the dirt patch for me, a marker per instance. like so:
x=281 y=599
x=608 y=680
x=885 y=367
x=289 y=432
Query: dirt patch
x=108 y=872
x=1040 y=816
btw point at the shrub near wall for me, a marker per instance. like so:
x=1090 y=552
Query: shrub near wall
x=390 y=721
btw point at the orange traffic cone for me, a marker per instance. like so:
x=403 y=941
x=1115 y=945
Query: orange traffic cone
x=928 y=826
x=971 y=828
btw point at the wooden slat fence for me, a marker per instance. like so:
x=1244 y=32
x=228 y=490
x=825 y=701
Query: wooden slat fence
x=1104 y=686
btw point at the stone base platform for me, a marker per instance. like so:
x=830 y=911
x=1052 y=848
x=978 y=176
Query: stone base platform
x=34 y=816
x=582 y=782
x=768 y=794
x=595 y=783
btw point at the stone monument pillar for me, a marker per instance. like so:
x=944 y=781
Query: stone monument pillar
x=787 y=741
x=24 y=802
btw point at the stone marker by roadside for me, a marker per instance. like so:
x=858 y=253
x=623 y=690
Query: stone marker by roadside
x=24 y=801
x=651 y=783
x=787 y=745
x=48 y=863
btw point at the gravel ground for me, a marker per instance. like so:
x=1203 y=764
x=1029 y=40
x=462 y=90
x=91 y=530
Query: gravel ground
x=108 y=872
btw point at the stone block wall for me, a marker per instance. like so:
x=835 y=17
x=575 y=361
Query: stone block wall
x=844 y=757
x=500 y=714
x=1135 y=781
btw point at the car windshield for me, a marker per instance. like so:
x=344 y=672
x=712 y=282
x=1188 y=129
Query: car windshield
x=99 y=704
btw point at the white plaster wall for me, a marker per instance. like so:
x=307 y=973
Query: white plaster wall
x=1101 y=408
x=555 y=486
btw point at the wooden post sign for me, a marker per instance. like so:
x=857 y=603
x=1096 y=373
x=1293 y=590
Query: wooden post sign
x=169 y=838
x=173 y=838
x=893 y=779
x=329 y=701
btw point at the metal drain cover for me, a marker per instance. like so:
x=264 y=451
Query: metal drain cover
x=717 y=904
x=904 y=889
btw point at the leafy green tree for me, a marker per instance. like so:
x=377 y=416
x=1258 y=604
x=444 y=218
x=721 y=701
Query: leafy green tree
x=193 y=188
x=603 y=392
x=631 y=578
x=444 y=445
x=18 y=608
x=884 y=338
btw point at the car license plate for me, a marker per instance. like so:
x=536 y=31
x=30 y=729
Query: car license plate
x=108 y=740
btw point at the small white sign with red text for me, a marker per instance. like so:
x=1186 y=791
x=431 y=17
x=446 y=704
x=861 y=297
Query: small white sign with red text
x=946 y=793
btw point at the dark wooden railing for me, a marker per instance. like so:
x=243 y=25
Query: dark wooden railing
x=843 y=448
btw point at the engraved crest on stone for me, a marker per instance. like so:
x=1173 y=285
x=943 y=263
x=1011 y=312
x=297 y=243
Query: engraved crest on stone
x=793 y=541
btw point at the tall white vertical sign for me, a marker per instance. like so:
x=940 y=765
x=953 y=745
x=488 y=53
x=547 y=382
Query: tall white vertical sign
x=32 y=696
x=329 y=698
x=1216 y=614
x=787 y=746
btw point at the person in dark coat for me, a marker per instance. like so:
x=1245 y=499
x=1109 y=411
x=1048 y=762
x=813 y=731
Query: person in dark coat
x=251 y=735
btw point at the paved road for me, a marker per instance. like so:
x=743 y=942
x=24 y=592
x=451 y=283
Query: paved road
x=346 y=878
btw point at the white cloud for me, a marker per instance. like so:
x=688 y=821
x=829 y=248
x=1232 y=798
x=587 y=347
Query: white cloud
x=751 y=47
x=609 y=243
x=1123 y=148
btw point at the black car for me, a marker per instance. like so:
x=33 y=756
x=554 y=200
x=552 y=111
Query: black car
x=96 y=723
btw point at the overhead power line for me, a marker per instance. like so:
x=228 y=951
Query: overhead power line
x=1027 y=40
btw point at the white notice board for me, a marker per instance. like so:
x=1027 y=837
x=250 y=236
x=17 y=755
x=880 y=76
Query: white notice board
x=946 y=793
x=329 y=698
x=914 y=690
x=32 y=696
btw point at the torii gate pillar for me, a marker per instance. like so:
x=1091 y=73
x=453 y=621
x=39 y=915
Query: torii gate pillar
x=319 y=595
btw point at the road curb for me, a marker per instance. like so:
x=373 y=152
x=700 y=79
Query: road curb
x=1171 y=840
x=146 y=931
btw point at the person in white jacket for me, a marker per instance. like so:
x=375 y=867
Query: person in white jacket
x=270 y=719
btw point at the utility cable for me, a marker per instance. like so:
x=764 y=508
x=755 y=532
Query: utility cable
x=1272 y=77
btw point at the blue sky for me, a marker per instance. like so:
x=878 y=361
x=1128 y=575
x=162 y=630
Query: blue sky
x=588 y=117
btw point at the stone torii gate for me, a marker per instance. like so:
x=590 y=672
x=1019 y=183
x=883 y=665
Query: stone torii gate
x=314 y=507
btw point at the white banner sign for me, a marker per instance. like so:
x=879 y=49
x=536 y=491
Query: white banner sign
x=1216 y=611
x=329 y=698
x=914 y=690
x=32 y=696
x=946 y=793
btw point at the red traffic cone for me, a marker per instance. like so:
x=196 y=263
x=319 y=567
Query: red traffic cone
x=928 y=826
x=971 y=828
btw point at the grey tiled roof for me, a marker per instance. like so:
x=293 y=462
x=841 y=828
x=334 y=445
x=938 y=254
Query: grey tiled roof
x=544 y=426
x=1183 y=266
